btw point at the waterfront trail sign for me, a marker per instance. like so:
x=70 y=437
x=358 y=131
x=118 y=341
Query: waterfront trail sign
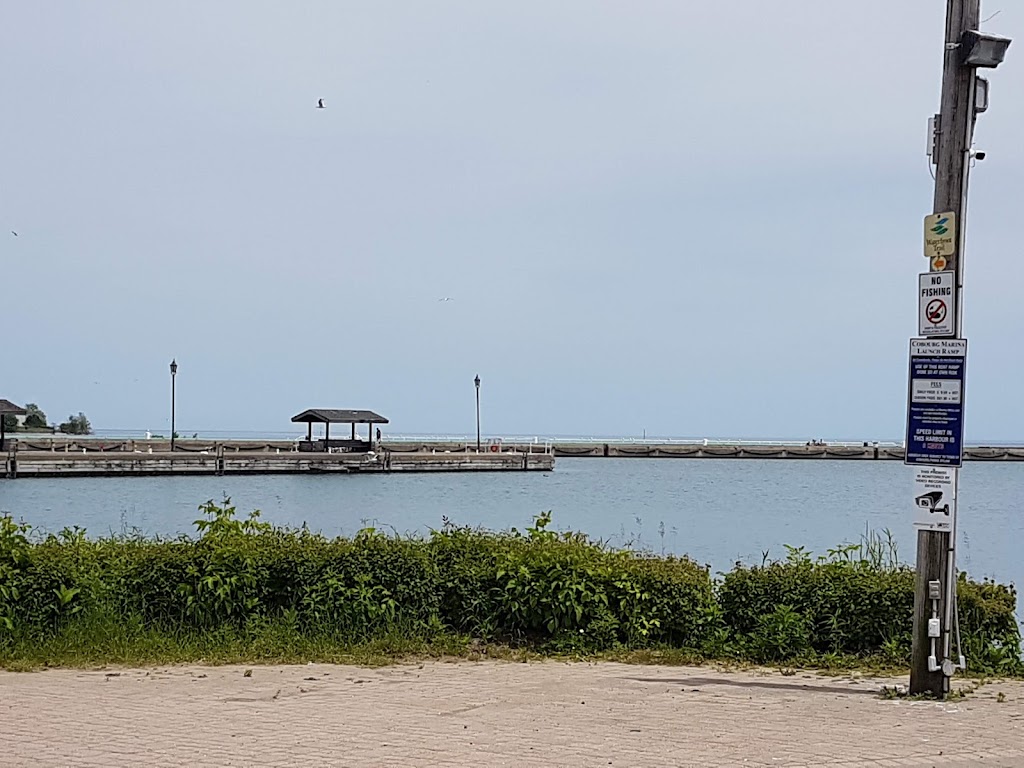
x=936 y=297
x=940 y=234
x=934 y=499
x=935 y=407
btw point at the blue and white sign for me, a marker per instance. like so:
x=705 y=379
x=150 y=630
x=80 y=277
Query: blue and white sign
x=935 y=411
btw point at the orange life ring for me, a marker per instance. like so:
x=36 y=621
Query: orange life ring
x=494 y=449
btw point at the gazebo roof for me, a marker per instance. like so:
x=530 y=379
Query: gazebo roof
x=338 y=416
x=7 y=407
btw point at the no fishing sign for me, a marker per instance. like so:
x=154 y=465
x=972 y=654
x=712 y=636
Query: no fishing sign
x=936 y=304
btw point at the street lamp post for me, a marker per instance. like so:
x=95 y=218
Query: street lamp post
x=174 y=374
x=476 y=381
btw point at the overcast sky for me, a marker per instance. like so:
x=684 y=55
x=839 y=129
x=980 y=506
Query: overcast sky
x=694 y=219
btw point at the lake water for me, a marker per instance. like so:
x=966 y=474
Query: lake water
x=716 y=511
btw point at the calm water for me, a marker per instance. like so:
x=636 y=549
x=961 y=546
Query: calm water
x=715 y=511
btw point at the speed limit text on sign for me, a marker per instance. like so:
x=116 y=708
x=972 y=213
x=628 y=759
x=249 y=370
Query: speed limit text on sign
x=935 y=407
x=936 y=297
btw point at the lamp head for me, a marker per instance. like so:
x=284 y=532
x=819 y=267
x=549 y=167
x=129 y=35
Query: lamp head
x=981 y=49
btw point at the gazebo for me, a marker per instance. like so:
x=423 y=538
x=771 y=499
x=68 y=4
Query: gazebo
x=328 y=416
x=7 y=408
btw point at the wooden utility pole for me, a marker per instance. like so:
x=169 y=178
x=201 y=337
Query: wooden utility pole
x=952 y=164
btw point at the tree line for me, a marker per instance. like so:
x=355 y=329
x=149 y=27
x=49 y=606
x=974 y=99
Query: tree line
x=36 y=421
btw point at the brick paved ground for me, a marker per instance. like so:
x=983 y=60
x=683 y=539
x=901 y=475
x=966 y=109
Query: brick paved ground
x=489 y=713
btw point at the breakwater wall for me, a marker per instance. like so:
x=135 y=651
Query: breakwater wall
x=658 y=450
x=763 y=451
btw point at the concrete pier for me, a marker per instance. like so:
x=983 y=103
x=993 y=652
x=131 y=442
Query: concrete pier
x=90 y=458
x=66 y=456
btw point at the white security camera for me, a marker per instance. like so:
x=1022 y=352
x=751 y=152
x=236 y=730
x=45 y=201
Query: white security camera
x=977 y=154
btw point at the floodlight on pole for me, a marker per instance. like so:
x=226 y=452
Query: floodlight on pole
x=980 y=49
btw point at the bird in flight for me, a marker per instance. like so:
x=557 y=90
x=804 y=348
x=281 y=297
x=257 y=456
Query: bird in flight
x=14 y=233
x=447 y=298
x=320 y=104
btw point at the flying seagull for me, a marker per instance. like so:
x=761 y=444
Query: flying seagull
x=320 y=104
x=446 y=298
x=14 y=233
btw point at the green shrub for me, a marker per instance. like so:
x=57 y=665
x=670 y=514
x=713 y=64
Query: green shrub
x=849 y=609
x=41 y=584
x=241 y=571
x=781 y=635
x=243 y=589
x=991 y=634
x=544 y=587
x=858 y=607
x=15 y=558
x=365 y=587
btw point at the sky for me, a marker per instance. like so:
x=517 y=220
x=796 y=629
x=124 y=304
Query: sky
x=671 y=218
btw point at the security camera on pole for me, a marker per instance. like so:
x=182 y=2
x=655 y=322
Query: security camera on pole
x=935 y=409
